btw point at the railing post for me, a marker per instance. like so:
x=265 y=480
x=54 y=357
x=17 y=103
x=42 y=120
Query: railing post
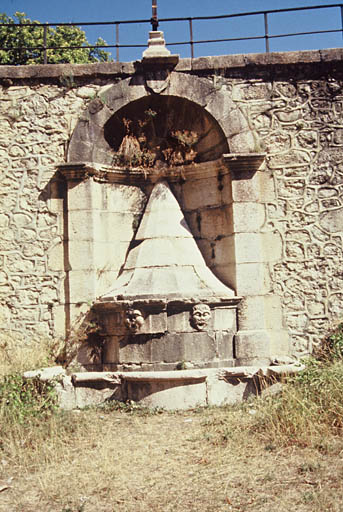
x=266 y=33
x=191 y=37
x=45 y=33
x=154 y=18
x=117 y=42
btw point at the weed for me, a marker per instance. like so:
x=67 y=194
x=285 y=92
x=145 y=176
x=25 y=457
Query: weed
x=67 y=80
x=129 y=407
x=331 y=348
x=23 y=398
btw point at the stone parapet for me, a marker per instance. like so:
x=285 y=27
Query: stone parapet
x=257 y=62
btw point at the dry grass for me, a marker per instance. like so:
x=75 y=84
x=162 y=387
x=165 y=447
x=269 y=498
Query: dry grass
x=18 y=355
x=281 y=454
x=204 y=460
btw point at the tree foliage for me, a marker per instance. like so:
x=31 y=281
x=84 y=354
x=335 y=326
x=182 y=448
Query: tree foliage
x=22 y=43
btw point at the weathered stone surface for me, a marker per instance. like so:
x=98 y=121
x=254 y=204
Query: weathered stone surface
x=298 y=124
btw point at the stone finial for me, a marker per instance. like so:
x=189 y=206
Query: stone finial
x=200 y=316
x=156 y=45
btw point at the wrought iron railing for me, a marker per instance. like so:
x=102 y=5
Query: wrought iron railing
x=191 y=42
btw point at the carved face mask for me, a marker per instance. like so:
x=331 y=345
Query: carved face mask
x=201 y=316
x=133 y=320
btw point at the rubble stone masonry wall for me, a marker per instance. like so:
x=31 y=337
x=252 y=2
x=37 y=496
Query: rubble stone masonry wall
x=293 y=103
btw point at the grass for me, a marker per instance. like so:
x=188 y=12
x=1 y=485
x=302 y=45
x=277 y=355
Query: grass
x=281 y=453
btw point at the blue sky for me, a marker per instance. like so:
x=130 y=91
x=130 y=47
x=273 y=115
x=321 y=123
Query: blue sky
x=108 y=10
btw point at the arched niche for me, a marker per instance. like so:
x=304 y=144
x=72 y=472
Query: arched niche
x=88 y=142
x=161 y=126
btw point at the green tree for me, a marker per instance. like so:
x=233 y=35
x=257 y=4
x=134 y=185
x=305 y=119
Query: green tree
x=20 y=32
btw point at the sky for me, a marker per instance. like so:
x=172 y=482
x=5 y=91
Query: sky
x=118 y=10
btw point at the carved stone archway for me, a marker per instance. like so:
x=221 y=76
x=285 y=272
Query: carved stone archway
x=221 y=196
x=89 y=145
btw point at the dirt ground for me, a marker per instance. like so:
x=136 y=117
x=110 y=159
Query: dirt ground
x=200 y=460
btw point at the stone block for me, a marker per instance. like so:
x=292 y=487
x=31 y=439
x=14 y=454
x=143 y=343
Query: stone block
x=246 y=217
x=220 y=106
x=104 y=280
x=155 y=323
x=252 y=279
x=267 y=187
x=101 y=226
x=55 y=202
x=207 y=250
x=96 y=394
x=245 y=189
x=168 y=395
x=109 y=256
x=248 y=248
x=137 y=349
x=84 y=195
x=200 y=193
x=226 y=188
x=122 y=198
x=111 y=197
x=179 y=321
x=76 y=315
x=79 y=150
x=272 y=247
x=260 y=312
x=56 y=257
x=199 y=346
x=222 y=251
x=183 y=85
x=226 y=274
x=224 y=342
x=164 y=251
x=228 y=392
x=168 y=349
x=242 y=143
x=234 y=122
x=224 y=318
x=82 y=286
x=250 y=344
x=214 y=222
x=59 y=320
x=280 y=342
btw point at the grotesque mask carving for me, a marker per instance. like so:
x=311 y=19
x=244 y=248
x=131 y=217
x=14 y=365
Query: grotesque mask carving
x=201 y=316
x=134 y=320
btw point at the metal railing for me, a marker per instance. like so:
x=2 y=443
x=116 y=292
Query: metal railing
x=266 y=36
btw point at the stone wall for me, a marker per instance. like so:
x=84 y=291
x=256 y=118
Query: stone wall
x=293 y=105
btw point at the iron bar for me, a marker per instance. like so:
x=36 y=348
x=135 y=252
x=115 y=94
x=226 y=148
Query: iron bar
x=155 y=22
x=117 y=42
x=191 y=37
x=193 y=18
x=154 y=18
x=45 y=32
x=266 y=36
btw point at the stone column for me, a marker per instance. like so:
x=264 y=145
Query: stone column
x=261 y=336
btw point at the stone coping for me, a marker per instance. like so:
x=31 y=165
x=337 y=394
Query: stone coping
x=239 y=372
x=76 y=171
x=236 y=163
x=51 y=72
x=109 y=303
